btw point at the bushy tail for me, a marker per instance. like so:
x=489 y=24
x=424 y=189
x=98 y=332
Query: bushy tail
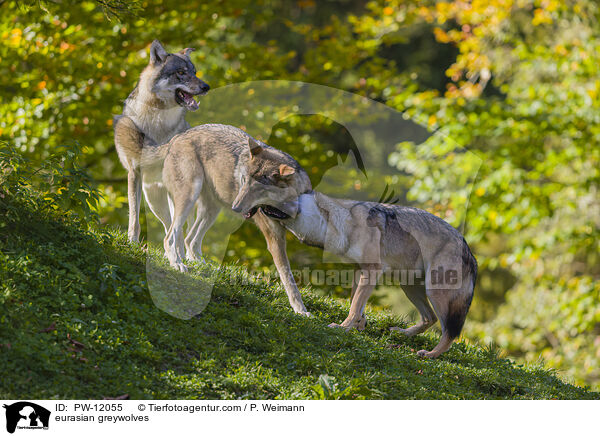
x=459 y=306
x=457 y=314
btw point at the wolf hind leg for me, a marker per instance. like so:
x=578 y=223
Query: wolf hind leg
x=184 y=198
x=206 y=214
x=158 y=201
x=451 y=307
x=418 y=296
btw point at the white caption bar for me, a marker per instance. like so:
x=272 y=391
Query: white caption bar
x=127 y=417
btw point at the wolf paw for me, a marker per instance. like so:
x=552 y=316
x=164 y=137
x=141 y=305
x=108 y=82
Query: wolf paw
x=426 y=354
x=408 y=332
x=194 y=258
x=305 y=313
x=341 y=326
x=180 y=267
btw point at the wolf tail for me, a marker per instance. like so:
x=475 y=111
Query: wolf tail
x=459 y=306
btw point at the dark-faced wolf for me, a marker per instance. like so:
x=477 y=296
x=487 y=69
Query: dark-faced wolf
x=205 y=167
x=378 y=237
x=153 y=113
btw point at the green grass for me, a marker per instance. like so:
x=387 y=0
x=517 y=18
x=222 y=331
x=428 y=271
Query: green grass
x=78 y=320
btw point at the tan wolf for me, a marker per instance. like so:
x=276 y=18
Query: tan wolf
x=153 y=113
x=205 y=167
x=378 y=237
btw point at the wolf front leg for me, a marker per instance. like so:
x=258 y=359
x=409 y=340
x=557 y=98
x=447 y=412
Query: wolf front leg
x=134 y=194
x=275 y=235
x=128 y=143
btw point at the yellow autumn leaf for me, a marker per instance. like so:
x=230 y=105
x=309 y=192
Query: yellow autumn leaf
x=540 y=16
x=15 y=36
x=561 y=50
x=593 y=93
x=552 y=5
x=440 y=35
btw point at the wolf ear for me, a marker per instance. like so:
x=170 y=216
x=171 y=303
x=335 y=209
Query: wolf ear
x=286 y=170
x=255 y=147
x=186 y=52
x=157 y=52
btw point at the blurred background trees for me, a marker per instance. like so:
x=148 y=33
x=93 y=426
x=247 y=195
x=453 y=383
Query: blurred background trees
x=515 y=82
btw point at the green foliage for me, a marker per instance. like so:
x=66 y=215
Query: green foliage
x=357 y=389
x=59 y=183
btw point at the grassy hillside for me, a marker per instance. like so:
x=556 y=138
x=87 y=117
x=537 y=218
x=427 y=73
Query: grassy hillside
x=77 y=321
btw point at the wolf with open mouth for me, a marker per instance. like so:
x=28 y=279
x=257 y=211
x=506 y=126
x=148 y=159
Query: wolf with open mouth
x=153 y=113
x=204 y=168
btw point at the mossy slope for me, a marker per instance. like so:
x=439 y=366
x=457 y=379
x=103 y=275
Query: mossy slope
x=77 y=321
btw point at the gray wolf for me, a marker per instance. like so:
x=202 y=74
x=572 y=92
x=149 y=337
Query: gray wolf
x=378 y=237
x=206 y=166
x=152 y=114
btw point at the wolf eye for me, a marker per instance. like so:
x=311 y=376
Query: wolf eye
x=263 y=180
x=180 y=72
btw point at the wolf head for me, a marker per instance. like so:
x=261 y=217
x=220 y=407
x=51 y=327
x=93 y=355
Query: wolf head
x=171 y=78
x=273 y=182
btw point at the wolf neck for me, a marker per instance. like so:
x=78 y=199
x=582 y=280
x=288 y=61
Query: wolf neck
x=310 y=225
x=152 y=116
